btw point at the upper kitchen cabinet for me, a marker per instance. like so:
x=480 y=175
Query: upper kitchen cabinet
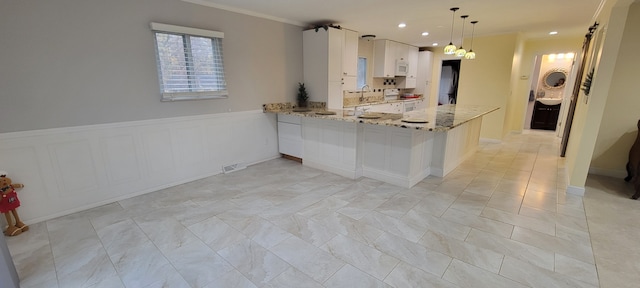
x=384 y=58
x=350 y=60
x=330 y=64
x=393 y=59
x=410 y=80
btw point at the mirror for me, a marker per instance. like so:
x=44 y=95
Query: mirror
x=554 y=79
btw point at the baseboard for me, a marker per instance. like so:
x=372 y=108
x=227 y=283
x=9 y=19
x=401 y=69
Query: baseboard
x=573 y=190
x=490 y=140
x=608 y=172
x=351 y=174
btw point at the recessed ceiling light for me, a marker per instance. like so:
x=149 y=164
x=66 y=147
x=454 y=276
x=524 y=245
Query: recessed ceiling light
x=553 y=32
x=402 y=25
x=425 y=33
x=435 y=44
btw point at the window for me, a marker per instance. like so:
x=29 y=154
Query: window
x=362 y=72
x=189 y=63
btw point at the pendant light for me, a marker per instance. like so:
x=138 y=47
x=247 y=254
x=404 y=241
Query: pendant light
x=460 y=52
x=451 y=49
x=471 y=55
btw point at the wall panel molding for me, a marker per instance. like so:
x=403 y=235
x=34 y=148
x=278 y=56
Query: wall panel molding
x=66 y=170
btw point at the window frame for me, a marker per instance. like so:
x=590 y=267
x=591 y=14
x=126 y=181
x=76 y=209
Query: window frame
x=186 y=33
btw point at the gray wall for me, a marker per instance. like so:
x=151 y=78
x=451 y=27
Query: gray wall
x=76 y=62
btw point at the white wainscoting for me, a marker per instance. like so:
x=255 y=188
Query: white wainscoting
x=458 y=144
x=398 y=156
x=333 y=146
x=66 y=170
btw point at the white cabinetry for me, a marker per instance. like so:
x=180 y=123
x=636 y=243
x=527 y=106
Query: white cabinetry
x=395 y=107
x=423 y=76
x=387 y=54
x=350 y=60
x=412 y=58
x=421 y=104
x=384 y=58
x=290 y=135
x=325 y=56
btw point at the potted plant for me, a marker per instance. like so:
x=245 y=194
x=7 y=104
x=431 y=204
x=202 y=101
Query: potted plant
x=302 y=95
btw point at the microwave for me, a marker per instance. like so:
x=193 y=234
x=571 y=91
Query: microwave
x=402 y=68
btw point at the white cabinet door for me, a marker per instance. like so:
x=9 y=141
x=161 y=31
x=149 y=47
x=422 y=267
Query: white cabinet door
x=384 y=58
x=290 y=136
x=336 y=40
x=413 y=62
x=402 y=51
x=380 y=108
x=350 y=53
x=421 y=104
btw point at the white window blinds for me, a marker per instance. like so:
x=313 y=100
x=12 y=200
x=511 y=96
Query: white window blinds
x=189 y=62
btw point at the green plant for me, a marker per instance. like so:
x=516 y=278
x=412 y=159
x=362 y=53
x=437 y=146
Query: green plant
x=586 y=85
x=302 y=95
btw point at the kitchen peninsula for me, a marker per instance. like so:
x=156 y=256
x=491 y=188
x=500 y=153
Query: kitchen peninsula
x=400 y=149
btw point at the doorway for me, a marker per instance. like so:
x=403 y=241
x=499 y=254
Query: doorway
x=449 y=78
x=548 y=90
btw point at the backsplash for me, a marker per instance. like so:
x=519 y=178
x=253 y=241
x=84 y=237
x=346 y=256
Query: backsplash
x=353 y=98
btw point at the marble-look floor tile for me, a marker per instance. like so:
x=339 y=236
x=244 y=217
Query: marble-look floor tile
x=470 y=203
x=394 y=226
x=216 y=233
x=577 y=270
x=86 y=269
x=167 y=234
x=254 y=262
x=407 y=276
x=232 y=279
x=323 y=208
x=435 y=203
x=361 y=206
x=111 y=282
x=312 y=261
x=485 y=224
x=469 y=253
x=555 y=244
x=508 y=247
x=519 y=220
x=363 y=257
x=170 y=279
x=506 y=202
x=466 y=275
x=265 y=233
x=415 y=254
x=306 y=229
x=533 y=276
x=121 y=235
x=198 y=264
x=398 y=205
x=356 y=230
x=141 y=266
x=350 y=276
x=440 y=225
x=292 y=277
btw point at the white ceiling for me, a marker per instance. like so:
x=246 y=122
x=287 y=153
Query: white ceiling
x=533 y=18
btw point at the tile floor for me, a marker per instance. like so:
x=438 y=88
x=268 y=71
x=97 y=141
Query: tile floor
x=501 y=219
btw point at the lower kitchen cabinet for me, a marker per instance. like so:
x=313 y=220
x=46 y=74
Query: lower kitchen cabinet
x=290 y=136
x=545 y=116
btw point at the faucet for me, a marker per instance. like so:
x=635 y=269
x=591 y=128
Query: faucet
x=362 y=92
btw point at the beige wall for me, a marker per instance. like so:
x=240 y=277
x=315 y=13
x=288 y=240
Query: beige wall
x=72 y=62
x=618 y=127
x=486 y=80
x=588 y=116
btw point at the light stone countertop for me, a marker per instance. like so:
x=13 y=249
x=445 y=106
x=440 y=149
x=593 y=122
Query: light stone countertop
x=381 y=102
x=440 y=118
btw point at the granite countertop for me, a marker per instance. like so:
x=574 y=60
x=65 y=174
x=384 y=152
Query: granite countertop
x=440 y=118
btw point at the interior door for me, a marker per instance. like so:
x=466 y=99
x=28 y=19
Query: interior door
x=576 y=87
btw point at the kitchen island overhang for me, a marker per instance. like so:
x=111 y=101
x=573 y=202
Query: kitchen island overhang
x=388 y=148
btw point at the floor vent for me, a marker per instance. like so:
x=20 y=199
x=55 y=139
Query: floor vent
x=233 y=167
